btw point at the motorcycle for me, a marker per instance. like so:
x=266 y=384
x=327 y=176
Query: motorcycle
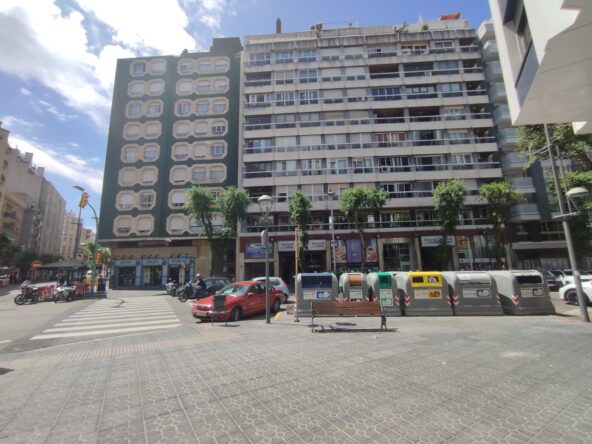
x=190 y=292
x=64 y=293
x=171 y=288
x=28 y=293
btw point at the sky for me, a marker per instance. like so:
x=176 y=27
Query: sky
x=58 y=57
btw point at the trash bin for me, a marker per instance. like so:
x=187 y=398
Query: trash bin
x=523 y=292
x=314 y=287
x=473 y=293
x=382 y=286
x=423 y=293
x=352 y=287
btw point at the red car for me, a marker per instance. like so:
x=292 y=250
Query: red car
x=242 y=299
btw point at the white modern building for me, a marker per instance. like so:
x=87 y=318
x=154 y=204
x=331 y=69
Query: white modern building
x=546 y=58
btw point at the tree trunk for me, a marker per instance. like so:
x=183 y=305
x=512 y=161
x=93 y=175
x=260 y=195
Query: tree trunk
x=361 y=232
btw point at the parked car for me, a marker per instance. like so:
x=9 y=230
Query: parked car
x=561 y=276
x=550 y=279
x=276 y=282
x=243 y=298
x=213 y=284
x=569 y=295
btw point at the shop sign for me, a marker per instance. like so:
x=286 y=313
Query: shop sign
x=313 y=245
x=340 y=252
x=435 y=241
x=286 y=245
x=178 y=261
x=371 y=251
x=151 y=262
x=256 y=250
x=125 y=262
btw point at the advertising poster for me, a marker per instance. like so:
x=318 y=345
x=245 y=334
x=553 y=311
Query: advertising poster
x=371 y=251
x=340 y=252
x=354 y=251
x=255 y=251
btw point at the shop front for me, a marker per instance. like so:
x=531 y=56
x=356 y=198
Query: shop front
x=123 y=273
x=348 y=255
x=255 y=260
x=152 y=272
x=315 y=258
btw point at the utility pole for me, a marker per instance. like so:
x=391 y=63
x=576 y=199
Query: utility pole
x=79 y=223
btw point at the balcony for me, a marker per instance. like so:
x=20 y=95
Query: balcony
x=497 y=93
x=512 y=163
x=493 y=72
x=490 y=52
x=523 y=185
x=525 y=212
x=501 y=115
x=507 y=138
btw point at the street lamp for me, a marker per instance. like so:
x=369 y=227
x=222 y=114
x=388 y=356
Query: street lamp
x=332 y=228
x=77 y=245
x=265 y=203
x=573 y=193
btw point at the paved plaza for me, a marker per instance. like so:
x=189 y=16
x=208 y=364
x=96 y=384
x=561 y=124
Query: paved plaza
x=469 y=379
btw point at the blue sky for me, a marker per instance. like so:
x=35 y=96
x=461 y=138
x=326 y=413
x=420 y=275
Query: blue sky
x=57 y=61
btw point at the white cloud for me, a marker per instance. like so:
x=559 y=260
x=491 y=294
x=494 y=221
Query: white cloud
x=12 y=122
x=58 y=114
x=69 y=166
x=25 y=92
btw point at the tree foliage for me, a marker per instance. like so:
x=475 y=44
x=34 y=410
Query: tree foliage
x=300 y=206
x=501 y=196
x=232 y=203
x=449 y=202
x=357 y=203
x=201 y=203
x=571 y=146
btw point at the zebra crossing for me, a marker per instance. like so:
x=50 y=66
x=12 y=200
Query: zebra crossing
x=112 y=316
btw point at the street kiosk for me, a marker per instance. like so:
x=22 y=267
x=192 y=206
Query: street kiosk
x=382 y=287
x=423 y=293
x=352 y=287
x=473 y=293
x=314 y=287
x=523 y=292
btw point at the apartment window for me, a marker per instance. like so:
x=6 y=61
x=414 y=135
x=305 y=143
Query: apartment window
x=182 y=129
x=200 y=150
x=219 y=108
x=157 y=67
x=308 y=97
x=386 y=93
x=179 y=175
x=148 y=176
x=446 y=67
x=204 y=66
x=260 y=145
x=218 y=150
x=178 y=198
x=220 y=65
x=284 y=98
x=150 y=154
x=421 y=92
x=144 y=225
x=202 y=107
x=198 y=174
x=220 y=85
x=184 y=108
x=146 y=200
x=443 y=46
x=454 y=113
x=136 y=89
x=388 y=139
x=316 y=192
x=285 y=120
x=523 y=34
x=218 y=129
x=283 y=57
x=414 y=49
x=337 y=166
x=154 y=109
x=201 y=128
x=130 y=154
x=134 y=109
x=307 y=55
x=186 y=67
x=417 y=69
x=126 y=201
x=152 y=130
x=312 y=167
x=363 y=165
x=284 y=77
x=180 y=152
x=216 y=173
x=132 y=131
x=284 y=192
x=185 y=87
x=286 y=168
x=262 y=58
x=203 y=87
x=156 y=87
x=461 y=159
x=456 y=137
x=307 y=75
x=123 y=226
x=138 y=68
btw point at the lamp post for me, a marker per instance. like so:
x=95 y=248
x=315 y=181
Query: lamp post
x=77 y=245
x=265 y=203
x=567 y=231
x=332 y=228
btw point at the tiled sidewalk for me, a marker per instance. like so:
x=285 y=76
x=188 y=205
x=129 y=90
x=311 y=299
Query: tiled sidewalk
x=502 y=379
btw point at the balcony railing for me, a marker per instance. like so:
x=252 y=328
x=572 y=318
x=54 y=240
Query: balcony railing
x=359 y=145
x=415 y=223
x=513 y=161
x=523 y=212
x=371 y=169
x=523 y=184
x=501 y=114
x=370 y=76
x=364 y=54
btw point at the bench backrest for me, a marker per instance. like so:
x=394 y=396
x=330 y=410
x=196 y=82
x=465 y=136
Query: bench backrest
x=365 y=308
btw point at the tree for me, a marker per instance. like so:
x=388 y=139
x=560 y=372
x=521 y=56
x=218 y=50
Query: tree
x=232 y=203
x=501 y=196
x=300 y=206
x=571 y=146
x=201 y=204
x=356 y=203
x=449 y=202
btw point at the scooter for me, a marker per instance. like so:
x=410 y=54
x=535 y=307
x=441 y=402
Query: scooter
x=64 y=293
x=190 y=292
x=28 y=293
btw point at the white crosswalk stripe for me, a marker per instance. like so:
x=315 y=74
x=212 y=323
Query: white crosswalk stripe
x=110 y=316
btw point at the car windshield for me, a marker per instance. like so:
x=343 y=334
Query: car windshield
x=234 y=290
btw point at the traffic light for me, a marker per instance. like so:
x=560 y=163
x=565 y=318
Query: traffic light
x=83 y=200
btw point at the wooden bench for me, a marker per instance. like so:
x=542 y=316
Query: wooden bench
x=348 y=309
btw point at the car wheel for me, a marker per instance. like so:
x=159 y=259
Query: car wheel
x=571 y=297
x=235 y=315
x=276 y=305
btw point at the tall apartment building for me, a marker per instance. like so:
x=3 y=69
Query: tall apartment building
x=400 y=108
x=32 y=209
x=72 y=230
x=174 y=124
x=4 y=151
x=536 y=240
